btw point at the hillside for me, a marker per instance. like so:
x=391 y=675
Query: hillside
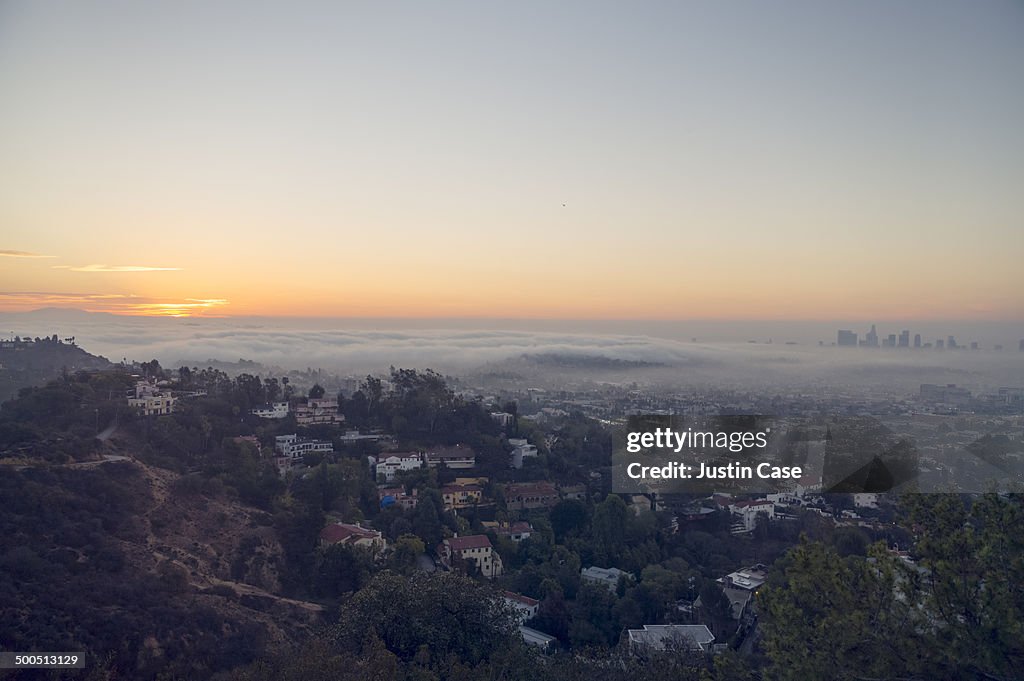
x=165 y=572
x=28 y=362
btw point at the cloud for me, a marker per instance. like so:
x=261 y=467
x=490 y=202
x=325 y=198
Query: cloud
x=357 y=347
x=114 y=303
x=117 y=268
x=23 y=254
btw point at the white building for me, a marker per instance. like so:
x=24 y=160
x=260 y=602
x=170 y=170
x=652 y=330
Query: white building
x=278 y=410
x=747 y=512
x=526 y=608
x=521 y=449
x=865 y=500
x=386 y=466
x=607 y=577
x=504 y=419
x=294 y=447
x=153 y=405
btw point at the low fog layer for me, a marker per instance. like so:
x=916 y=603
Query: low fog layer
x=539 y=356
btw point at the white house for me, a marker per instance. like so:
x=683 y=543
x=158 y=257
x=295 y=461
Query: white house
x=521 y=449
x=607 y=577
x=294 y=447
x=747 y=512
x=865 y=500
x=153 y=405
x=526 y=608
x=277 y=410
x=386 y=466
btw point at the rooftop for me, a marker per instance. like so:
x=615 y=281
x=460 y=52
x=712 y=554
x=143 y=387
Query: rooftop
x=473 y=541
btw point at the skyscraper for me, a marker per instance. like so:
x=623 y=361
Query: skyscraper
x=951 y=343
x=904 y=338
x=846 y=338
x=917 y=340
x=871 y=339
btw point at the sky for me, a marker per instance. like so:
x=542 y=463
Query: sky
x=571 y=160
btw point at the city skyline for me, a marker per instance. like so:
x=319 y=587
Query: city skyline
x=672 y=162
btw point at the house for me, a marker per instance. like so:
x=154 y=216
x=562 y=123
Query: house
x=277 y=410
x=738 y=600
x=607 y=577
x=503 y=419
x=578 y=492
x=318 y=410
x=386 y=466
x=539 y=639
x=526 y=608
x=522 y=496
x=460 y=496
x=153 y=405
x=397 y=496
x=476 y=548
x=352 y=437
x=521 y=449
x=517 y=531
x=747 y=512
x=293 y=447
x=457 y=457
x=749 y=579
x=353 y=535
x=808 y=484
x=291 y=450
x=659 y=637
x=865 y=500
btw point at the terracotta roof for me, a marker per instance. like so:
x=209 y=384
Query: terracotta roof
x=525 y=600
x=473 y=541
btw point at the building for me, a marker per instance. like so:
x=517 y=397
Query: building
x=606 y=577
x=318 y=410
x=524 y=496
x=904 y=341
x=917 y=340
x=747 y=512
x=660 y=637
x=526 y=608
x=386 y=466
x=948 y=393
x=352 y=437
x=521 y=449
x=503 y=419
x=457 y=457
x=353 y=535
x=865 y=500
x=539 y=639
x=871 y=338
x=397 y=496
x=294 y=447
x=153 y=405
x=277 y=410
x=460 y=496
x=517 y=531
x=474 y=548
x=846 y=338
x=749 y=579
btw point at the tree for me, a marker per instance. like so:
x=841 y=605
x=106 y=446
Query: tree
x=316 y=392
x=447 y=613
x=404 y=553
